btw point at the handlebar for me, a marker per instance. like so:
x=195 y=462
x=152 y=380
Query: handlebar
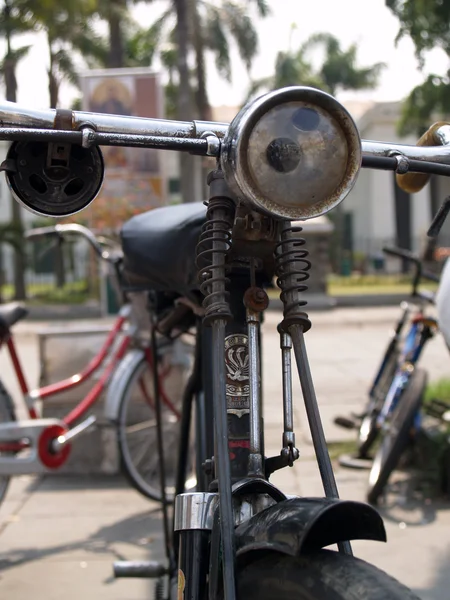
x=420 y=272
x=59 y=231
x=200 y=137
x=437 y=134
x=409 y=256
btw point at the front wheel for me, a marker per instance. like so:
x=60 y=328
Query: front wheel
x=324 y=575
x=396 y=434
x=368 y=431
x=6 y=416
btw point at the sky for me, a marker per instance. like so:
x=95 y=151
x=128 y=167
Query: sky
x=366 y=22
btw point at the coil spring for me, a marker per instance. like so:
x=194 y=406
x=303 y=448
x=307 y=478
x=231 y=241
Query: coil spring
x=212 y=278
x=292 y=266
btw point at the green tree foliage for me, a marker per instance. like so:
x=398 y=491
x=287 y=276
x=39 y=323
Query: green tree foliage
x=337 y=71
x=212 y=27
x=427 y=23
x=12 y=25
x=71 y=37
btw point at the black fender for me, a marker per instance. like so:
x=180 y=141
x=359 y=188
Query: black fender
x=298 y=525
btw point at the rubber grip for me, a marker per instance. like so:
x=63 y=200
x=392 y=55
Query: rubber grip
x=414 y=182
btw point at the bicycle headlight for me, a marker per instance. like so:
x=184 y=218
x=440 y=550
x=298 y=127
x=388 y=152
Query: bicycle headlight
x=294 y=153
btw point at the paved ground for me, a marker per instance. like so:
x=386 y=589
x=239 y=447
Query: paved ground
x=59 y=536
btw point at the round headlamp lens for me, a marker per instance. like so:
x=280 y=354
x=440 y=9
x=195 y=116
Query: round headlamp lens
x=297 y=155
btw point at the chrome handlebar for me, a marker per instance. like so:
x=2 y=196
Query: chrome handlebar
x=61 y=230
x=273 y=154
x=198 y=137
x=13 y=116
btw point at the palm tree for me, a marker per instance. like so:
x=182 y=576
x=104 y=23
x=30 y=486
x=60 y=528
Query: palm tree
x=11 y=234
x=211 y=26
x=70 y=35
x=337 y=71
x=11 y=24
x=116 y=14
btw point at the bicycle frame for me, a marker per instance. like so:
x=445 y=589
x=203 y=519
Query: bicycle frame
x=118 y=336
x=421 y=330
x=246 y=227
x=393 y=343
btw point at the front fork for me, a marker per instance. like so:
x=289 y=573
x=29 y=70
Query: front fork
x=236 y=392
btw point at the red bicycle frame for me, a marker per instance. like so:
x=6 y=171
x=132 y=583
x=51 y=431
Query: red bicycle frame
x=93 y=366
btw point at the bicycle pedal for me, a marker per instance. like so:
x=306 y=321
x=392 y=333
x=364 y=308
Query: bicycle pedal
x=357 y=416
x=147 y=569
x=345 y=422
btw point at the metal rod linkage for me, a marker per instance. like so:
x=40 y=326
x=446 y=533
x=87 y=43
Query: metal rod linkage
x=288 y=413
x=95 y=138
x=255 y=458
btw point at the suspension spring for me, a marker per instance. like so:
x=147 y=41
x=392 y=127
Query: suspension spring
x=292 y=266
x=212 y=248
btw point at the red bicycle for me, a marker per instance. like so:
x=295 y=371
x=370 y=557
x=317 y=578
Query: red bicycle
x=41 y=445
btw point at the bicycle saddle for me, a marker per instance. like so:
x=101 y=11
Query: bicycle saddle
x=10 y=314
x=159 y=247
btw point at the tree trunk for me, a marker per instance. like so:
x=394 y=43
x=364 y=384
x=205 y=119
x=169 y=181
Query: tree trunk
x=203 y=106
x=189 y=165
x=19 y=264
x=53 y=85
x=60 y=273
x=116 y=54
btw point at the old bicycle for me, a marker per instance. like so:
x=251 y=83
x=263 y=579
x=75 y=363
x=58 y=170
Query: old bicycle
x=124 y=368
x=292 y=154
x=404 y=345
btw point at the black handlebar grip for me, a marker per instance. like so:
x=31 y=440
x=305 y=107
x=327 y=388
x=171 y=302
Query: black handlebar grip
x=401 y=253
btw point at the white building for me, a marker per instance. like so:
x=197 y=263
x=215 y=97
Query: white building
x=377 y=211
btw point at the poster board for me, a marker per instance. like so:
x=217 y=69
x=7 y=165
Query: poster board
x=135 y=179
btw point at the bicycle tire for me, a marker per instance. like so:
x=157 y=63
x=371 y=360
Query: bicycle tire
x=368 y=431
x=7 y=415
x=324 y=575
x=143 y=470
x=397 y=436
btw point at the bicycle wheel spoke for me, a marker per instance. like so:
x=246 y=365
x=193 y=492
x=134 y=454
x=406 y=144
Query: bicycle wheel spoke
x=138 y=427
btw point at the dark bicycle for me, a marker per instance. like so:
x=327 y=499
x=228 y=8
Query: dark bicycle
x=290 y=155
x=394 y=375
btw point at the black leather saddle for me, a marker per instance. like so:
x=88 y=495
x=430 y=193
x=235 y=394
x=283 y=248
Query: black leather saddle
x=159 y=247
x=11 y=313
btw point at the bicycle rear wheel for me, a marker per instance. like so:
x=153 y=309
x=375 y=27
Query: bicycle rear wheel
x=6 y=416
x=137 y=432
x=397 y=435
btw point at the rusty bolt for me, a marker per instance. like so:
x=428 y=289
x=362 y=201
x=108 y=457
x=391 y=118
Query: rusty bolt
x=256 y=299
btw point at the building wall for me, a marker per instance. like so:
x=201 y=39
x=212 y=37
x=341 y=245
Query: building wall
x=372 y=200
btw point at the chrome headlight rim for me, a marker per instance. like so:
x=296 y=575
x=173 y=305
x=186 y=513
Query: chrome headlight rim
x=235 y=145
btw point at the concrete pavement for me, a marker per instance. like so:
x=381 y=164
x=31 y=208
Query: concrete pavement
x=59 y=535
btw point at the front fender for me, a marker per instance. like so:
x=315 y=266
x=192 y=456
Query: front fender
x=119 y=382
x=300 y=525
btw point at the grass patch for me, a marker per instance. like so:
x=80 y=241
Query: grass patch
x=76 y=292
x=366 y=285
x=438 y=390
x=336 y=449
x=372 y=284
